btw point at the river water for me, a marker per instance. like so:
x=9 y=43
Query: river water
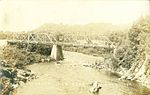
x=70 y=77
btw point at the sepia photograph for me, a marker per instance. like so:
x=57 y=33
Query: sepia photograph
x=74 y=47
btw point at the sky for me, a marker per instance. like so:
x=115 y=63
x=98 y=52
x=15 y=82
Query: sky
x=25 y=15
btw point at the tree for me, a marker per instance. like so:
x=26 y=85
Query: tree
x=138 y=55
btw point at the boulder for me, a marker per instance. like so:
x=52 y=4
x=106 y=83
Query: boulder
x=95 y=87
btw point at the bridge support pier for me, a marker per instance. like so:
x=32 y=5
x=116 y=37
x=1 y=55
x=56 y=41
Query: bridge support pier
x=57 y=53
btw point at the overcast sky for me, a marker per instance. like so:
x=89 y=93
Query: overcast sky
x=18 y=15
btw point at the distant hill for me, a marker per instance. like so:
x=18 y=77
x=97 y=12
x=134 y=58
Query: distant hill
x=91 y=30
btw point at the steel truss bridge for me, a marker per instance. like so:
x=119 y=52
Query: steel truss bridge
x=45 y=38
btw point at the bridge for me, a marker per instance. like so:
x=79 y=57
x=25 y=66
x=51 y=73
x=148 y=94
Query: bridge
x=57 y=43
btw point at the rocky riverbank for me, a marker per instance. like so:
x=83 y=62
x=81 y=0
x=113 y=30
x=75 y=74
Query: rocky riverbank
x=11 y=77
x=13 y=62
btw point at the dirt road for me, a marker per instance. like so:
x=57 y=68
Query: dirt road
x=71 y=78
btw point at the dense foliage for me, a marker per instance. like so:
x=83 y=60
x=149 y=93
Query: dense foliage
x=132 y=50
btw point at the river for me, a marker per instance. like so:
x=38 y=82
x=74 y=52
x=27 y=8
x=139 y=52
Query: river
x=70 y=77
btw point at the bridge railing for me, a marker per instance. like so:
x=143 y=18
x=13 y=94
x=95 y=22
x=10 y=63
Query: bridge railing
x=31 y=37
